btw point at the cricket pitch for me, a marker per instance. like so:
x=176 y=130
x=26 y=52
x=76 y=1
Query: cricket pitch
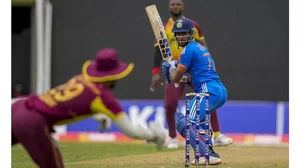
x=112 y=155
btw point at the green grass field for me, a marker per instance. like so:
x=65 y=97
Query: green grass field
x=111 y=155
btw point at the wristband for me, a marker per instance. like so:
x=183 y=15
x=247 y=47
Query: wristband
x=156 y=71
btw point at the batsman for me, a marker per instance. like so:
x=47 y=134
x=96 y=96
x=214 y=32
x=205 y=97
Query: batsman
x=173 y=94
x=197 y=61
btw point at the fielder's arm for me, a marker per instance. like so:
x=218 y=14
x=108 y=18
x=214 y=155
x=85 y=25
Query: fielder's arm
x=135 y=132
x=199 y=37
x=109 y=105
x=154 y=133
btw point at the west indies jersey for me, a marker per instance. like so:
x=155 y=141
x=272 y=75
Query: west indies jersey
x=75 y=100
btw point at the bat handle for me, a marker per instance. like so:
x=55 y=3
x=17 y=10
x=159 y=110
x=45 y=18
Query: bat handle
x=175 y=84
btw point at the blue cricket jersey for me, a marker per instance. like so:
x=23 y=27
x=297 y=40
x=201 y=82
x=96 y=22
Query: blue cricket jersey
x=199 y=63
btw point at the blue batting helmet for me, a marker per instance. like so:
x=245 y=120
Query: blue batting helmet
x=183 y=25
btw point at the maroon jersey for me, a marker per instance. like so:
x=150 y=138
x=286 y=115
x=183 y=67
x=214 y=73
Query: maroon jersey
x=75 y=100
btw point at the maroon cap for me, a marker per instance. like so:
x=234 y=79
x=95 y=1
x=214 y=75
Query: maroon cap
x=106 y=67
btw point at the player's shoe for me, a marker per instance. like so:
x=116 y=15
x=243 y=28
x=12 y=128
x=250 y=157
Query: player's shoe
x=222 y=140
x=212 y=161
x=159 y=134
x=173 y=143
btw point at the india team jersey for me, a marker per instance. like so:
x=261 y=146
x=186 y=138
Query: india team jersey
x=75 y=100
x=199 y=63
x=176 y=51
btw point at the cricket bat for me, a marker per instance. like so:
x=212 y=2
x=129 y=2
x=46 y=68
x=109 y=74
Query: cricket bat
x=159 y=33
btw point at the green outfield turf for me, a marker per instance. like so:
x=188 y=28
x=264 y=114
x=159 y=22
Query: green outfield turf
x=112 y=155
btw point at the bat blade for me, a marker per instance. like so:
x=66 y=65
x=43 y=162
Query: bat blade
x=159 y=32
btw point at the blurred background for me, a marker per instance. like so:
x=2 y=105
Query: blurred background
x=247 y=39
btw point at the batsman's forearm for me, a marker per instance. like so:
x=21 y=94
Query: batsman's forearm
x=175 y=77
x=157 y=58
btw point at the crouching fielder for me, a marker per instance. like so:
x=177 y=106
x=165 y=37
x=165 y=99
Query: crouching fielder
x=82 y=96
x=197 y=61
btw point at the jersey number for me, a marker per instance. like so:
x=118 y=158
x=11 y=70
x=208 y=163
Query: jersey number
x=210 y=63
x=63 y=93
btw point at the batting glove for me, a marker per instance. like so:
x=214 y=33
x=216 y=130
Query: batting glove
x=167 y=68
x=184 y=78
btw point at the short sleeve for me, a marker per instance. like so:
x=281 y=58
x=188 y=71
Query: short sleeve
x=107 y=104
x=185 y=59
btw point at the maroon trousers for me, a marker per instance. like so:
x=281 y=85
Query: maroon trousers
x=31 y=130
x=172 y=97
